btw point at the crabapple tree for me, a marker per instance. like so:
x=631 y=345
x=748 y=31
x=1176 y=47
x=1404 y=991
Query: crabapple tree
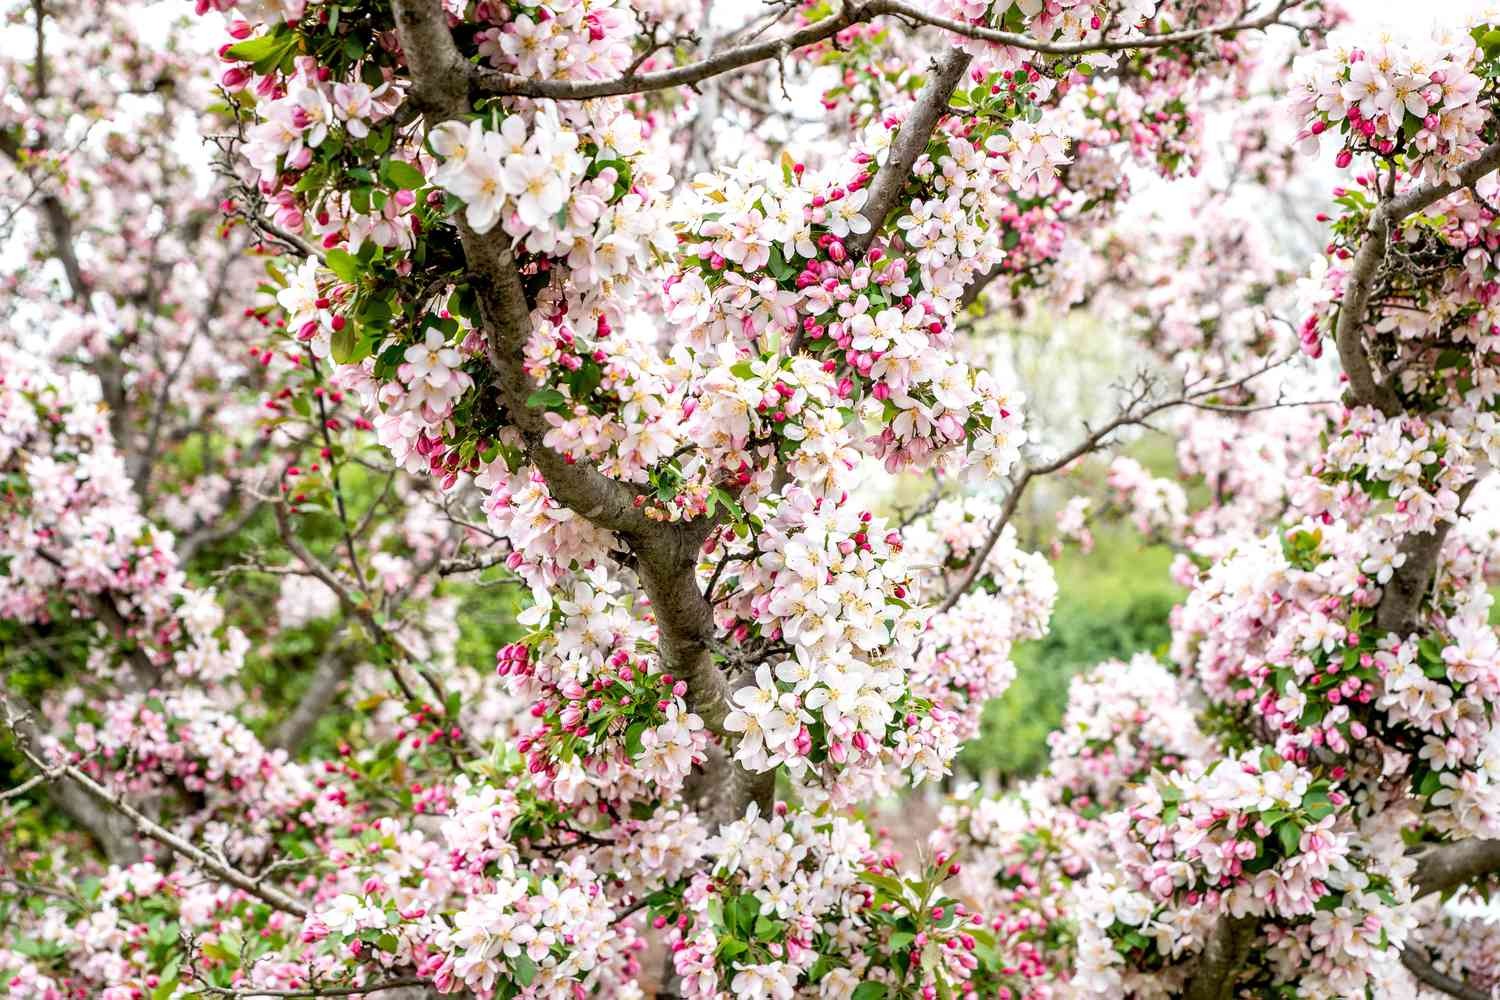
x=457 y=465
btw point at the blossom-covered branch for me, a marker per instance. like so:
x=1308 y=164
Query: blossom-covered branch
x=16 y=722
x=1421 y=967
x=1349 y=336
x=854 y=12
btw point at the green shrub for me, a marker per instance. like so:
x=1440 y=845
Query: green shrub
x=1111 y=604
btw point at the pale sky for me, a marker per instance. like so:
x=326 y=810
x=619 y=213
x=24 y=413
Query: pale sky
x=1405 y=16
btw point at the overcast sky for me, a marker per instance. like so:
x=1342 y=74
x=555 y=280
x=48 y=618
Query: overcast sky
x=1405 y=14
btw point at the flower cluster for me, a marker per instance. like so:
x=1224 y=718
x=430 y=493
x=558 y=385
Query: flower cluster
x=1158 y=507
x=610 y=724
x=74 y=535
x=793 y=409
x=1312 y=664
x=1255 y=835
x=1415 y=99
x=101 y=934
x=567 y=39
x=150 y=745
x=794 y=904
x=467 y=911
x=781 y=886
x=782 y=232
x=1436 y=320
x=1022 y=856
x=1418 y=464
x=1124 y=720
x=824 y=582
x=1462 y=947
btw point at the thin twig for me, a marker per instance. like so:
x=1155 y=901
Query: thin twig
x=144 y=824
x=1136 y=412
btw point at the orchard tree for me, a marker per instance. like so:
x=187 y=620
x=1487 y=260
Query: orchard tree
x=492 y=495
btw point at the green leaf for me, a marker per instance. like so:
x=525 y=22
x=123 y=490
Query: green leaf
x=891 y=887
x=633 y=738
x=380 y=139
x=546 y=399
x=252 y=49
x=1291 y=837
x=344 y=344
x=741 y=913
x=400 y=174
x=718 y=494
x=1490 y=42
x=778 y=266
x=767 y=929
x=375 y=312
x=525 y=969
x=1317 y=805
x=869 y=991
x=586 y=379
x=1312 y=714
x=266 y=52
x=343 y=264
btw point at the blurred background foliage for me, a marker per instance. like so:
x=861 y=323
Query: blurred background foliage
x=1111 y=603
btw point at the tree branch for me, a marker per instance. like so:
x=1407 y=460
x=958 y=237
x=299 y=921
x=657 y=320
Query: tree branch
x=58 y=223
x=1223 y=954
x=232 y=876
x=976 y=287
x=440 y=88
x=1418 y=964
x=1137 y=411
x=142 y=463
x=360 y=607
x=667 y=553
x=1445 y=867
x=1401 y=598
x=909 y=144
x=111 y=834
x=334 y=667
x=104 y=606
x=1349 y=329
x=1403 y=594
x=885 y=190
x=853 y=12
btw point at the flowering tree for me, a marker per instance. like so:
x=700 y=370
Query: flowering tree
x=566 y=330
